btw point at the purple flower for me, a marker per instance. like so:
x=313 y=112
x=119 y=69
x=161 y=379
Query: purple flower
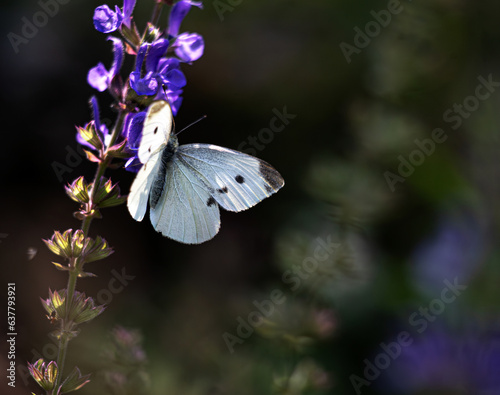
x=106 y=20
x=455 y=249
x=189 y=46
x=100 y=78
x=100 y=128
x=133 y=133
x=179 y=11
x=444 y=361
x=144 y=80
x=153 y=71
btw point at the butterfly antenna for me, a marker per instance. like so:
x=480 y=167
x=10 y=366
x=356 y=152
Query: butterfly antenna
x=191 y=124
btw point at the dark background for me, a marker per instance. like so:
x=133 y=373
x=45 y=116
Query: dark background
x=354 y=122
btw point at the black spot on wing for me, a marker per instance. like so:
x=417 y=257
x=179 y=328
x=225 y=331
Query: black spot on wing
x=156 y=130
x=222 y=190
x=273 y=179
x=211 y=201
x=239 y=179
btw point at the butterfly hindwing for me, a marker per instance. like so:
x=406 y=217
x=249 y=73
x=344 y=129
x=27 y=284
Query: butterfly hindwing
x=184 y=211
x=237 y=181
x=156 y=131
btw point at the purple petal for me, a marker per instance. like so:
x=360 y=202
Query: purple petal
x=154 y=54
x=133 y=129
x=170 y=73
x=140 y=56
x=143 y=86
x=133 y=164
x=128 y=7
x=133 y=133
x=175 y=99
x=179 y=11
x=174 y=79
x=98 y=78
x=189 y=46
x=118 y=50
x=167 y=64
x=175 y=105
x=95 y=112
x=107 y=21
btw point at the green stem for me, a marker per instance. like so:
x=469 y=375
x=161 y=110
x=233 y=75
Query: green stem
x=61 y=357
x=73 y=274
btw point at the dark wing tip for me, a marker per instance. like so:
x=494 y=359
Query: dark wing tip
x=271 y=176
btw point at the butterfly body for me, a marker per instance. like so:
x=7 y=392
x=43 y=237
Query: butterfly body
x=186 y=185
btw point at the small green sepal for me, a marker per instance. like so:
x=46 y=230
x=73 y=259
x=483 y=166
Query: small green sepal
x=82 y=309
x=78 y=190
x=118 y=150
x=44 y=375
x=77 y=248
x=132 y=36
x=152 y=33
x=74 y=381
x=91 y=157
x=108 y=195
x=89 y=134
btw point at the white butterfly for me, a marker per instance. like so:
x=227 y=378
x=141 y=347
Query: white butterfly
x=186 y=184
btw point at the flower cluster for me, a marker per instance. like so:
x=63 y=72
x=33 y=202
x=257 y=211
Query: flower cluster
x=157 y=73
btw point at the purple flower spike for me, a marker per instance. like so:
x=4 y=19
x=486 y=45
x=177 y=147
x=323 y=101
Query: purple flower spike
x=100 y=78
x=179 y=11
x=106 y=20
x=189 y=46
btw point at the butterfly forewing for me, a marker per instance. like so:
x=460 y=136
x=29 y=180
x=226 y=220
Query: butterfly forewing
x=185 y=210
x=156 y=130
x=236 y=181
x=137 y=201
